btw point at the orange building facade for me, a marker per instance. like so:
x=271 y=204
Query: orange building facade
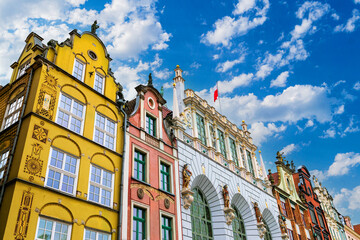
x=151 y=192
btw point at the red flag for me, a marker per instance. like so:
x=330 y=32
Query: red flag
x=216 y=94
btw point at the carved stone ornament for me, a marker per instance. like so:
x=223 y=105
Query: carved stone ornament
x=167 y=203
x=187 y=196
x=229 y=215
x=282 y=223
x=226 y=196
x=261 y=229
x=186 y=177
x=140 y=193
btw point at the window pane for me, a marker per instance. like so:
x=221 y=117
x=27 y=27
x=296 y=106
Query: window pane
x=78 y=69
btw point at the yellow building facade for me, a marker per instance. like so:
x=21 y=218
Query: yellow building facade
x=61 y=142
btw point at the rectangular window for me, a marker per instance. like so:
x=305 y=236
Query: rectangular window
x=201 y=128
x=312 y=215
x=13 y=111
x=303 y=219
x=105 y=131
x=22 y=69
x=283 y=208
x=79 y=69
x=99 y=83
x=62 y=172
x=222 y=143
x=291 y=234
x=139 y=166
x=101 y=186
x=3 y=160
x=95 y=235
x=233 y=151
x=321 y=220
x=151 y=125
x=251 y=168
x=71 y=114
x=165 y=177
x=166 y=228
x=139 y=223
x=293 y=212
x=51 y=230
x=242 y=156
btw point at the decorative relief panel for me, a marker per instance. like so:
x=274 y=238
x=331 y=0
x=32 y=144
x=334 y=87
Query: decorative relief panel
x=47 y=97
x=40 y=133
x=23 y=218
x=33 y=164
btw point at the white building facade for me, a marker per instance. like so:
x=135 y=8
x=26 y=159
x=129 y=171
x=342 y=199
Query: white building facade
x=220 y=156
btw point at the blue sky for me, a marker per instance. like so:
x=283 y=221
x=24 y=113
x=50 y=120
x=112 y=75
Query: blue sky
x=291 y=68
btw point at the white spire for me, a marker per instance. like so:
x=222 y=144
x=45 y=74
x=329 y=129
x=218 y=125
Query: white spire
x=263 y=167
x=175 y=103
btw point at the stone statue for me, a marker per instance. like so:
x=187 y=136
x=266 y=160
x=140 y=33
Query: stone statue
x=226 y=196
x=279 y=156
x=186 y=176
x=150 y=80
x=258 y=214
x=162 y=91
x=271 y=178
x=94 y=26
x=282 y=224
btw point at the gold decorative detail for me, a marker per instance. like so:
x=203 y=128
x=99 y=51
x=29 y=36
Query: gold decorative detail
x=148 y=191
x=203 y=169
x=23 y=218
x=31 y=178
x=33 y=164
x=40 y=133
x=47 y=97
x=5 y=145
x=226 y=196
x=238 y=187
x=167 y=203
x=186 y=176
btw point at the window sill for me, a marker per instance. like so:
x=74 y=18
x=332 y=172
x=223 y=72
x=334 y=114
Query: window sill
x=166 y=192
x=140 y=181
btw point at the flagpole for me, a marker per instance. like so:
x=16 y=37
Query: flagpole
x=217 y=86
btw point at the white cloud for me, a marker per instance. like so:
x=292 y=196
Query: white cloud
x=351 y=128
x=349 y=200
x=335 y=16
x=320 y=175
x=357 y=86
x=340 y=110
x=289 y=149
x=216 y=56
x=309 y=123
x=76 y=3
x=243 y=6
x=280 y=81
x=350 y=24
x=356 y=1
x=226 y=28
x=291 y=105
x=195 y=65
x=339 y=82
x=329 y=133
x=261 y=133
x=162 y=74
x=229 y=86
x=227 y=65
x=343 y=162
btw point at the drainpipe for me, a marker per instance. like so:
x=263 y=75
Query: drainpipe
x=121 y=108
x=11 y=157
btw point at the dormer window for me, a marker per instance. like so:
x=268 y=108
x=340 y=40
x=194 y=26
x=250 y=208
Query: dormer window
x=13 y=111
x=151 y=125
x=99 y=83
x=22 y=68
x=79 y=69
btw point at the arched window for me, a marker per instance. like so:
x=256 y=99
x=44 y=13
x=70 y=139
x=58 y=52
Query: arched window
x=268 y=233
x=200 y=217
x=238 y=226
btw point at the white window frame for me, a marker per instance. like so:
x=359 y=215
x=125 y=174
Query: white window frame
x=71 y=115
x=103 y=82
x=97 y=232
x=147 y=162
x=166 y=214
x=3 y=162
x=53 y=228
x=104 y=130
x=83 y=71
x=22 y=68
x=147 y=221
x=161 y=160
x=63 y=171
x=13 y=109
x=100 y=186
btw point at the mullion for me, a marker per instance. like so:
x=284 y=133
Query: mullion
x=165 y=175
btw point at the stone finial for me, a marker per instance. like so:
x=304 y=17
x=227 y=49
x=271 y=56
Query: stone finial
x=271 y=178
x=162 y=91
x=279 y=156
x=94 y=26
